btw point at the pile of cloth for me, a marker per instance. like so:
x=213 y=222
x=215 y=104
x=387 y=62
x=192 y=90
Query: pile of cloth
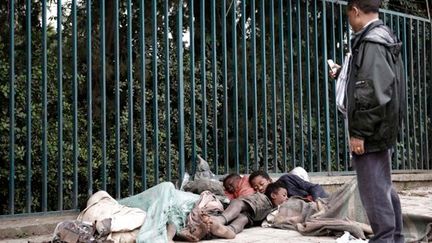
x=341 y=212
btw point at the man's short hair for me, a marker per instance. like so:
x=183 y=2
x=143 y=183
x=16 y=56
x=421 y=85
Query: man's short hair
x=367 y=6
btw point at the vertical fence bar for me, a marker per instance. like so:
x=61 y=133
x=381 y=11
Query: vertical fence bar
x=335 y=110
x=282 y=84
x=291 y=90
x=273 y=86
x=300 y=81
x=308 y=86
x=407 y=132
x=12 y=107
x=130 y=99
x=215 y=86
x=225 y=87
x=245 y=83
x=317 y=88
x=89 y=100
x=428 y=163
x=425 y=158
x=326 y=96
x=263 y=77
x=117 y=97
x=60 y=104
x=167 y=90
x=235 y=85
x=75 y=106
x=103 y=91
x=254 y=83
x=420 y=127
x=341 y=60
x=181 y=125
x=192 y=80
x=203 y=80
x=143 y=97
x=398 y=151
x=44 y=110
x=155 y=95
x=28 y=107
x=412 y=80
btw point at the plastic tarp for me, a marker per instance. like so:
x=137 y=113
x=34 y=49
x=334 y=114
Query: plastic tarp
x=163 y=204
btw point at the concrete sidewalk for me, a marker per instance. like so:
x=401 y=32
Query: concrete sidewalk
x=415 y=201
x=415 y=192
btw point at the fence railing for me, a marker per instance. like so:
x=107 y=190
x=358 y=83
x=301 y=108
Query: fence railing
x=121 y=95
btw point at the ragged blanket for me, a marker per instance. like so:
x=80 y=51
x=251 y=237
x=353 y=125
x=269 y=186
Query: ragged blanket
x=341 y=211
x=163 y=204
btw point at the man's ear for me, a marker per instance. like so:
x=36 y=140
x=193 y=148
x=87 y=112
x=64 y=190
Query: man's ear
x=356 y=10
x=273 y=195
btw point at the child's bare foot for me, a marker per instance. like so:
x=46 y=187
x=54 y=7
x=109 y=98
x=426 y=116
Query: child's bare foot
x=220 y=230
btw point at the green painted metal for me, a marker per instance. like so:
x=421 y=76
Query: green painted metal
x=60 y=159
x=245 y=92
x=215 y=86
x=192 y=81
x=117 y=97
x=407 y=121
x=28 y=108
x=282 y=84
x=235 y=88
x=44 y=111
x=103 y=91
x=254 y=85
x=155 y=94
x=75 y=106
x=167 y=91
x=264 y=80
x=273 y=86
x=335 y=132
x=11 y=205
x=317 y=90
x=308 y=89
x=419 y=105
x=203 y=77
x=181 y=92
x=142 y=99
x=300 y=84
x=291 y=89
x=225 y=89
x=131 y=156
x=326 y=94
x=89 y=100
x=411 y=94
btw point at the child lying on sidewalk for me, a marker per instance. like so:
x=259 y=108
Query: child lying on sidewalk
x=246 y=210
x=294 y=185
x=237 y=186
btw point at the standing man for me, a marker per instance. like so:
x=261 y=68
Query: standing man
x=374 y=105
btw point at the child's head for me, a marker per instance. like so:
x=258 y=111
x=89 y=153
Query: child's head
x=259 y=180
x=277 y=193
x=231 y=182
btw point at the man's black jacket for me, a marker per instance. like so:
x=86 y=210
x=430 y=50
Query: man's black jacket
x=375 y=87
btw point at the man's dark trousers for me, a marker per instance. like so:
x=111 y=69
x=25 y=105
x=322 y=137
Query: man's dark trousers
x=378 y=196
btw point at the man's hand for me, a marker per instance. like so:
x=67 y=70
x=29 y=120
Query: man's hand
x=357 y=146
x=334 y=68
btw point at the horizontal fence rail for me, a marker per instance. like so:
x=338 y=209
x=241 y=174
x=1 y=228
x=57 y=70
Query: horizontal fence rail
x=121 y=95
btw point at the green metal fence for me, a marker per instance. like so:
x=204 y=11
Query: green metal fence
x=121 y=95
